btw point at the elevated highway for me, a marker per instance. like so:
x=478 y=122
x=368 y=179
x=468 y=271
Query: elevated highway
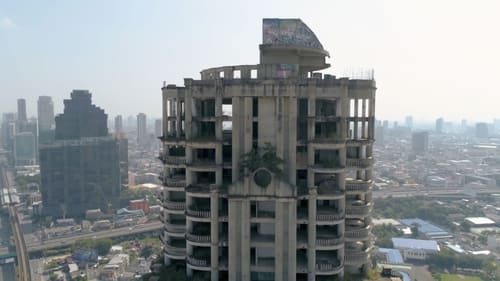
x=23 y=265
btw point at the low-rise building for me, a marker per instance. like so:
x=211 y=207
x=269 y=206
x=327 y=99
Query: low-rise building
x=415 y=248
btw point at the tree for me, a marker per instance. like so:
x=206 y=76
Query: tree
x=53 y=276
x=80 y=278
x=146 y=251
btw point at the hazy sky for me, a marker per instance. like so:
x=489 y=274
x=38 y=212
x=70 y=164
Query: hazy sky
x=431 y=58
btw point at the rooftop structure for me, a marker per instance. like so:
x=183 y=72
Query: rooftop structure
x=480 y=221
x=428 y=229
x=392 y=255
x=415 y=248
x=268 y=167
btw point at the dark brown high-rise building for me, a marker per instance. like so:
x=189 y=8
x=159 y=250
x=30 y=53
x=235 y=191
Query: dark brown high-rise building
x=81 y=169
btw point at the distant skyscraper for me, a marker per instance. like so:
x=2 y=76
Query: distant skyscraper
x=25 y=149
x=482 y=130
x=81 y=119
x=385 y=124
x=379 y=135
x=409 y=121
x=439 y=125
x=80 y=170
x=464 y=125
x=420 y=142
x=46 y=120
x=8 y=130
x=118 y=125
x=158 y=127
x=142 y=133
x=21 y=110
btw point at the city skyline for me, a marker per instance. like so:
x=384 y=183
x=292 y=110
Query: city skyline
x=419 y=57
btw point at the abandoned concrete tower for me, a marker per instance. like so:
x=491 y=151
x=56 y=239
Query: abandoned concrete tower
x=268 y=167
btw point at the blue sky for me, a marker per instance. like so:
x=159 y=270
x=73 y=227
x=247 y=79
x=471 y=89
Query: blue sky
x=431 y=58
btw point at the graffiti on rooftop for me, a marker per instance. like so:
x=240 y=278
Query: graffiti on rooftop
x=288 y=32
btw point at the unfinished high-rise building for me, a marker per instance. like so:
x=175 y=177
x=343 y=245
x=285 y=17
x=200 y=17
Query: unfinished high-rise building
x=268 y=167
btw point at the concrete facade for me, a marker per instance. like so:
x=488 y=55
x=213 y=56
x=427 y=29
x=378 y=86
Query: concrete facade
x=268 y=168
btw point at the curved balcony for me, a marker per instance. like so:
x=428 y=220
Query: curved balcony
x=172 y=160
x=172 y=139
x=199 y=263
x=357 y=186
x=328 y=168
x=326 y=242
x=356 y=258
x=198 y=215
x=199 y=190
x=174 y=206
x=359 y=163
x=329 y=216
x=330 y=193
x=198 y=239
x=357 y=233
x=328 y=267
x=176 y=183
x=176 y=230
x=358 y=208
x=174 y=252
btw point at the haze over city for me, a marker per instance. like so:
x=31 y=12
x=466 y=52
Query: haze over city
x=431 y=58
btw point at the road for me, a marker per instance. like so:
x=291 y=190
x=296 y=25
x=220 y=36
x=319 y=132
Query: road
x=7 y=271
x=409 y=192
x=67 y=241
x=23 y=265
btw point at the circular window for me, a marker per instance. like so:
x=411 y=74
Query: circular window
x=262 y=177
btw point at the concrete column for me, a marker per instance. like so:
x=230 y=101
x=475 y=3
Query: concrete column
x=311 y=235
x=292 y=239
x=356 y=114
x=279 y=241
x=189 y=115
x=214 y=230
x=178 y=119
x=363 y=123
x=291 y=158
x=239 y=240
x=218 y=114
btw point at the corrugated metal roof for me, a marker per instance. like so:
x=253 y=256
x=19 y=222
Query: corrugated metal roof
x=425 y=227
x=415 y=244
x=392 y=255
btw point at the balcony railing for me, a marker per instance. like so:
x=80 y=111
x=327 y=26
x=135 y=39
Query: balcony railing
x=357 y=185
x=328 y=266
x=199 y=261
x=176 y=251
x=199 y=238
x=172 y=160
x=329 y=215
x=175 y=182
x=359 y=210
x=172 y=205
x=359 y=163
x=357 y=232
x=355 y=257
x=175 y=228
x=329 y=241
x=198 y=213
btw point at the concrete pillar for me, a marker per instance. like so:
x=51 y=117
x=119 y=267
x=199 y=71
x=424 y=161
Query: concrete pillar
x=239 y=240
x=363 y=123
x=214 y=230
x=311 y=235
x=189 y=115
x=279 y=242
x=356 y=114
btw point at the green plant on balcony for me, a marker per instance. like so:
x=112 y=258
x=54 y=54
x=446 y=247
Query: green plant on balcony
x=262 y=157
